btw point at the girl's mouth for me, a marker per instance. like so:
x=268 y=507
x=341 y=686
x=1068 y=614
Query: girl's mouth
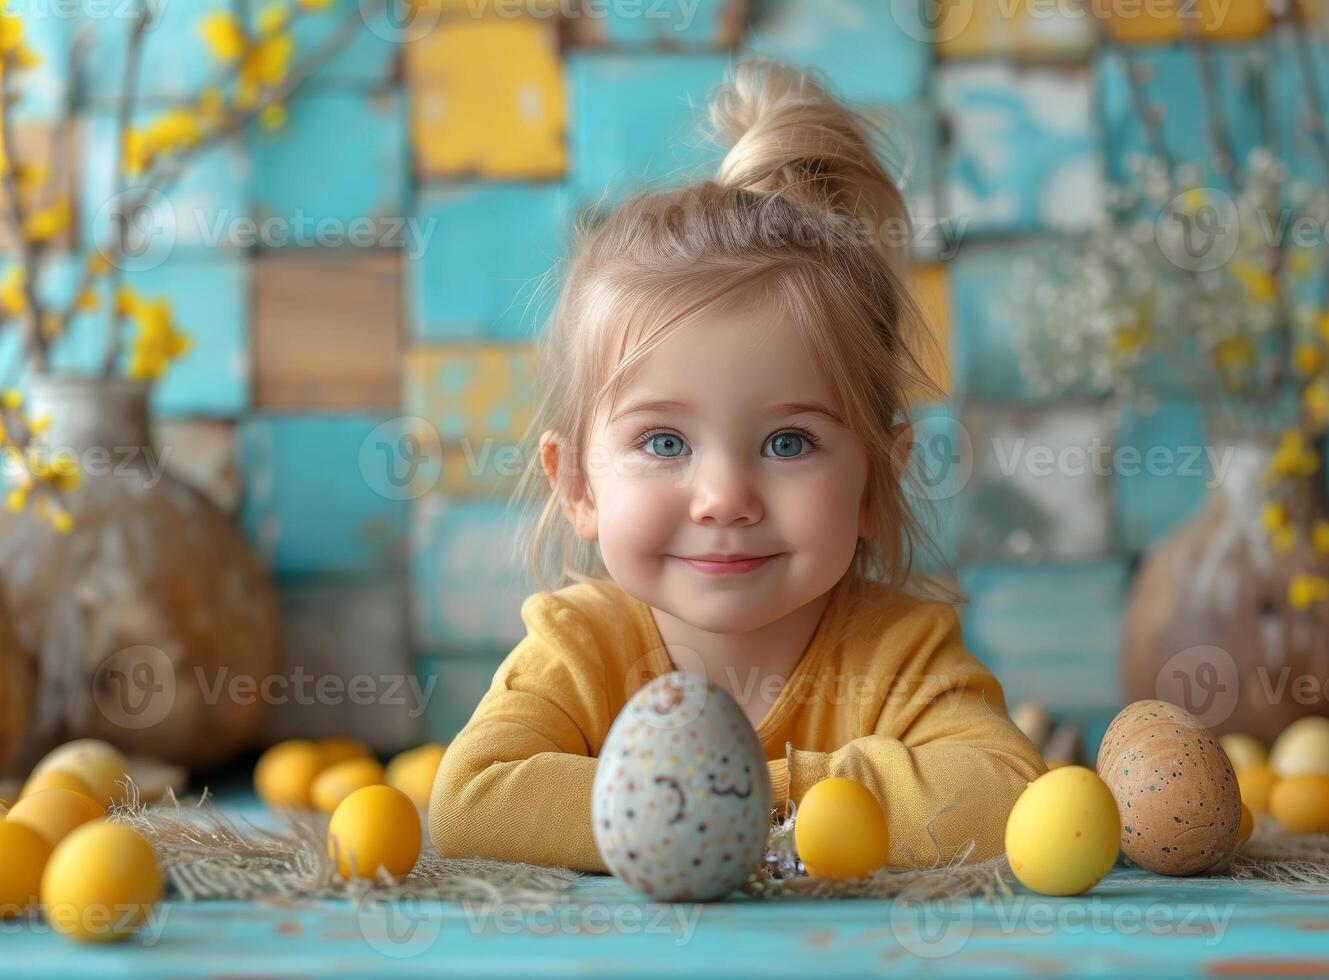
x=727 y=567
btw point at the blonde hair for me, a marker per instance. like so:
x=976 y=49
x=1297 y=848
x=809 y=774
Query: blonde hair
x=793 y=218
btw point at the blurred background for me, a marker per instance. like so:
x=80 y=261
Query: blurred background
x=318 y=223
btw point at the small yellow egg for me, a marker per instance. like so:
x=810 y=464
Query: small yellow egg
x=1302 y=747
x=1246 y=828
x=339 y=781
x=286 y=772
x=101 y=883
x=55 y=813
x=375 y=827
x=97 y=763
x=413 y=772
x=56 y=779
x=1301 y=803
x=1244 y=751
x=338 y=749
x=23 y=855
x=1063 y=832
x=840 y=830
x=1256 y=783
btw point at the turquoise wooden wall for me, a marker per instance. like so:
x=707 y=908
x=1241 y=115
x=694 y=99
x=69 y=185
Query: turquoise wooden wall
x=480 y=139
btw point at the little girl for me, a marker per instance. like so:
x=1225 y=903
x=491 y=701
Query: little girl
x=726 y=382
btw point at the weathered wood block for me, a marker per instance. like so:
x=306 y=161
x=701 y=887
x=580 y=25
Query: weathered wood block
x=346 y=668
x=487 y=100
x=328 y=327
x=1070 y=659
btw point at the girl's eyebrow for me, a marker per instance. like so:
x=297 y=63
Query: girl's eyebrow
x=783 y=408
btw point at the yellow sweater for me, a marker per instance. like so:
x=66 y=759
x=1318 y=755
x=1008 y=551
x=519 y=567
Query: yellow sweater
x=902 y=707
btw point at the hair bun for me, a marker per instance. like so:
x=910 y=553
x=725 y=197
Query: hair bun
x=788 y=135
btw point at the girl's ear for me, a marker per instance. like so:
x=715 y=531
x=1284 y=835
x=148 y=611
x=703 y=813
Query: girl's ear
x=575 y=499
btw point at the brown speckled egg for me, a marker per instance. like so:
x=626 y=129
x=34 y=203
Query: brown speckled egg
x=1174 y=786
x=681 y=802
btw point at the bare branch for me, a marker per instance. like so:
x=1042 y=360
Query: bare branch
x=115 y=320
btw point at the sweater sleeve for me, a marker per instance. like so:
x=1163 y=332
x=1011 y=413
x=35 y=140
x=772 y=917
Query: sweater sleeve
x=515 y=784
x=942 y=747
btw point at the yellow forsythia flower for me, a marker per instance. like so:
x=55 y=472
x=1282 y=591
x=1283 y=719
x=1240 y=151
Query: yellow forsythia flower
x=62 y=521
x=1323 y=326
x=1283 y=539
x=12 y=399
x=273 y=18
x=1130 y=339
x=1306 y=590
x=272 y=117
x=138 y=155
x=1320 y=537
x=211 y=106
x=49 y=223
x=1293 y=457
x=1308 y=358
x=126 y=301
x=158 y=341
x=98 y=264
x=1316 y=401
x=172 y=131
x=31 y=177
x=87 y=301
x=11 y=33
x=1273 y=517
x=1234 y=352
x=223 y=35
x=1258 y=283
x=16 y=500
x=13 y=300
x=314 y=4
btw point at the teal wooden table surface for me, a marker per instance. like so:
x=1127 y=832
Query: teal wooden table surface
x=1132 y=922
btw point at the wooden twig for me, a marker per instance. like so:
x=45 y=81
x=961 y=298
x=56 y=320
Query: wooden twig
x=1215 y=118
x=115 y=319
x=161 y=182
x=33 y=341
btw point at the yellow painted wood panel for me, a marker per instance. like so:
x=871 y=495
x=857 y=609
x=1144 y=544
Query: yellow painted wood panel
x=487 y=100
x=1014 y=28
x=480 y=399
x=930 y=294
x=1165 y=21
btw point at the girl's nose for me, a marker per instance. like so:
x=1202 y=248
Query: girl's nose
x=723 y=493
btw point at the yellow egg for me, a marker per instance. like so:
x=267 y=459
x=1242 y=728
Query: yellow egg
x=23 y=855
x=339 y=781
x=840 y=830
x=57 y=779
x=1062 y=834
x=1301 y=803
x=375 y=827
x=1256 y=783
x=101 y=883
x=1247 y=826
x=338 y=749
x=1302 y=747
x=54 y=813
x=413 y=772
x=1244 y=751
x=97 y=763
x=286 y=772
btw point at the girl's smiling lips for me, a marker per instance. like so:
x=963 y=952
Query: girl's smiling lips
x=717 y=564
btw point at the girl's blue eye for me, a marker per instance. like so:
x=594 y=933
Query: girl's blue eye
x=788 y=443
x=667 y=445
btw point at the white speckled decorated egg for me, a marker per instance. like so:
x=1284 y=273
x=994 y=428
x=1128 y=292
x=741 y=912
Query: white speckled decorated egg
x=681 y=803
